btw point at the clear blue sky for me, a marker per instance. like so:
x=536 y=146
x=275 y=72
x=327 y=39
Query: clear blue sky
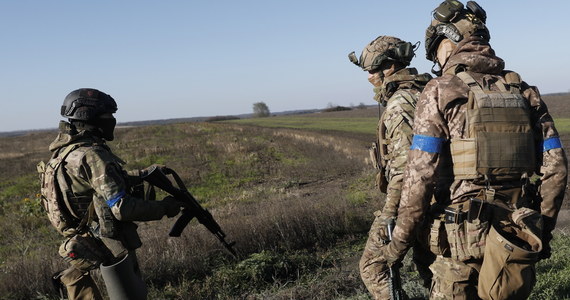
x=174 y=59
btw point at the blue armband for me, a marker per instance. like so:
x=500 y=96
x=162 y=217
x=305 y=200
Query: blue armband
x=111 y=202
x=551 y=143
x=427 y=143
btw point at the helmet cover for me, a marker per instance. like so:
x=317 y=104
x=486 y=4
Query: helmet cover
x=384 y=49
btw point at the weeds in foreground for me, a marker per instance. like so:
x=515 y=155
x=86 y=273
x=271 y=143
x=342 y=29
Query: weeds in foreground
x=298 y=204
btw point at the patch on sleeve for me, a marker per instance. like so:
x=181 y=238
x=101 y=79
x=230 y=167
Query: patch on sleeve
x=111 y=202
x=426 y=143
x=551 y=143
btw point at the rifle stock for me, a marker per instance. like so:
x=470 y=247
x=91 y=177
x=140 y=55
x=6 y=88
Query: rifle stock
x=191 y=208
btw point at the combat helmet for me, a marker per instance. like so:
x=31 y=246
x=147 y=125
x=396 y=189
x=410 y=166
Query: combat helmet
x=384 y=49
x=455 y=22
x=87 y=104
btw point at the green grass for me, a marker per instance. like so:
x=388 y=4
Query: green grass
x=298 y=210
x=358 y=125
x=553 y=274
x=563 y=125
x=355 y=124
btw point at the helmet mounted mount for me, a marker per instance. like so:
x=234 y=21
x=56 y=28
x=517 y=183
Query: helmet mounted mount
x=455 y=22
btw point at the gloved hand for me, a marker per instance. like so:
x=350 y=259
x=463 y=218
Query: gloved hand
x=549 y=224
x=381 y=224
x=546 y=249
x=394 y=252
x=171 y=206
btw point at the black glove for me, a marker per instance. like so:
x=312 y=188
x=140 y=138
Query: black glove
x=171 y=206
x=546 y=249
x=549 y=224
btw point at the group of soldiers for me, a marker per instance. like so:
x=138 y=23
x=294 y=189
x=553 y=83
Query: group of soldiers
x=470 y=161
x=472 y=166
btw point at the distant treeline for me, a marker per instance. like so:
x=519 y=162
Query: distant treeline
x=557 y=104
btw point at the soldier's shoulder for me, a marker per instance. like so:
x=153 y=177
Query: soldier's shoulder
x=404 y=95
x=444 y=80
x=96 y=153
x=403 y=101
x=445 y=88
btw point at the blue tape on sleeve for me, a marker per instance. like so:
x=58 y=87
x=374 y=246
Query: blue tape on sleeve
x=427 y=143
x=111 y=202
x=551 y=143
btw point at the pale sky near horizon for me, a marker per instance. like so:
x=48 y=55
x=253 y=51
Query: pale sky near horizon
x=177 y=59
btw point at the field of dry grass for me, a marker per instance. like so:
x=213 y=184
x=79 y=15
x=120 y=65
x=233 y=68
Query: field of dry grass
x=298 y=202
x=278 y=191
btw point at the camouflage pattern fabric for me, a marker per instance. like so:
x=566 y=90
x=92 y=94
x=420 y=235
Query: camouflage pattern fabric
x=395 y=135
x=373 y=268
x=377 y=47
x=95 y=173
x=397 y=122
x=441 y=114
x=79 y=285
x=453 y=280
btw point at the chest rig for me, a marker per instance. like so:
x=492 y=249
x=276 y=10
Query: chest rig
x=499 y=143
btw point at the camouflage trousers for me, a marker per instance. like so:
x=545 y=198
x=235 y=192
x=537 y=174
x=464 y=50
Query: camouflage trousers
x=374 y=271
x=79 y=285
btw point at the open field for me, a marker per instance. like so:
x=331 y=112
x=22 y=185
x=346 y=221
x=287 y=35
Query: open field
x=298 y=202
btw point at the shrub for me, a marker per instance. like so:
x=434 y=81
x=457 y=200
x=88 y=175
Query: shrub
x=336 y=108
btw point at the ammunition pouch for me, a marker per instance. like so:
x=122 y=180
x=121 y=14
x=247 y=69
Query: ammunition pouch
x=438 y=243
x=509 y=242
x=458 y=233
x=381 y=181
x=467 y=239
x=108 y=225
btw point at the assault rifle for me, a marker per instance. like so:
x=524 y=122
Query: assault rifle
x=396 y=292
x=157 y=176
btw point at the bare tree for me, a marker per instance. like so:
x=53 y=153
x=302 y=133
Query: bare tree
x=260 y=110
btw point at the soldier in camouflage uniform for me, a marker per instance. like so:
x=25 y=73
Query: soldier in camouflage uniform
x=98 y=193
x=397 y=88
x=495 y=132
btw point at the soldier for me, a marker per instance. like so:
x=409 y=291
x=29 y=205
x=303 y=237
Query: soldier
x=500 y=138
x=397 y=88
x=91 y=200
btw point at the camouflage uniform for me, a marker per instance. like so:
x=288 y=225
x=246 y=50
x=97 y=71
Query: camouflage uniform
x=394 y=140
x=99 y=186
x=440 y=117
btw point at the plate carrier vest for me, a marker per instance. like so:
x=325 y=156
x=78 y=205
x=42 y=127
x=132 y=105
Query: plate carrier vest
x=500 y=143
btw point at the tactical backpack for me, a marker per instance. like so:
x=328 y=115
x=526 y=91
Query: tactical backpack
x=58 y=211
x=499 y=143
